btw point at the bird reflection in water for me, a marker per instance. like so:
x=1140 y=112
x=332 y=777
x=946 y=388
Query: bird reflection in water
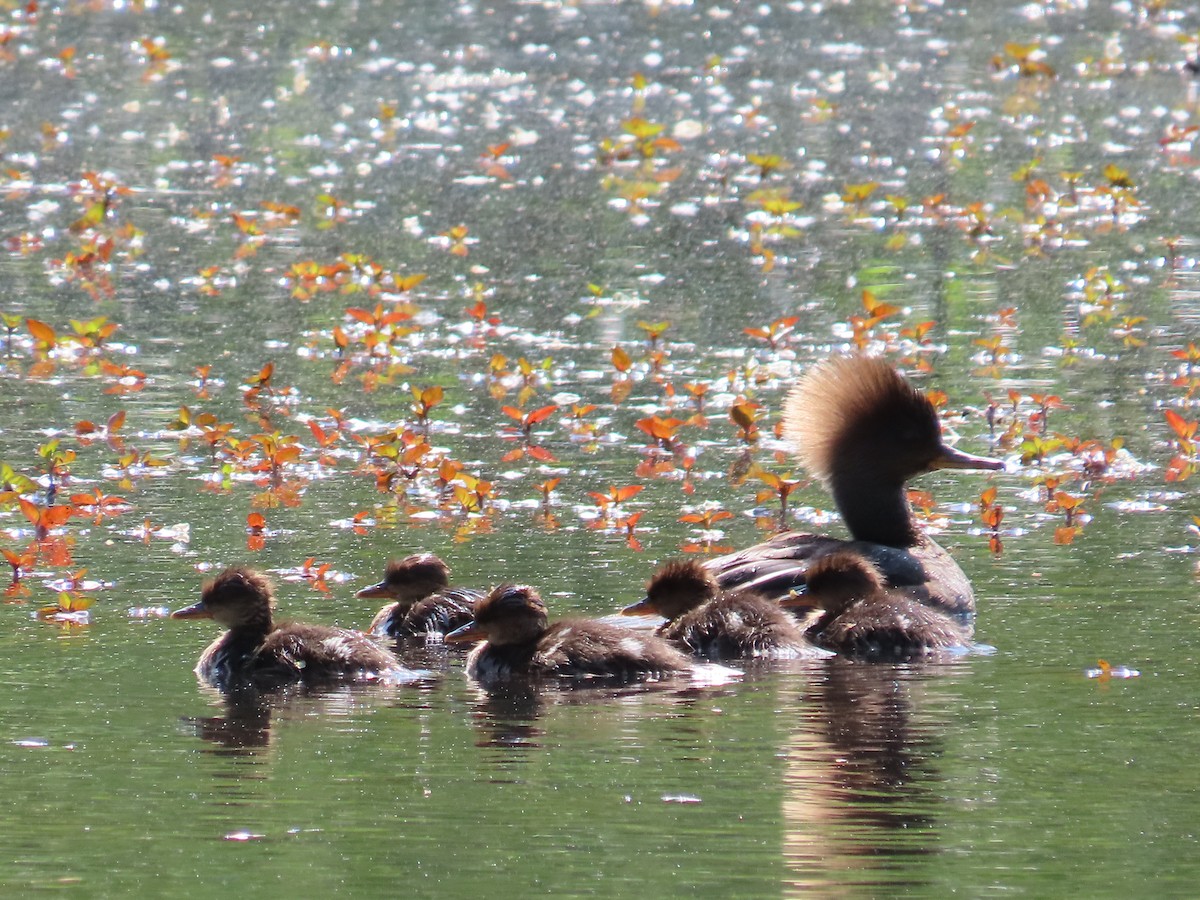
x=512 y=715
x=505 y=717
x=859 y=776
x=244 y=726
x=248 y=716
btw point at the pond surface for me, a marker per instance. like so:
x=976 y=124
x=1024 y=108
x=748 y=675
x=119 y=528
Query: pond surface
x=453 y=277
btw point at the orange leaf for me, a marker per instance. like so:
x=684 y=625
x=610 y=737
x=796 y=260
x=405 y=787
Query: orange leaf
x=540 y=415
x=31 y=510
x=1182 y=427
x=1065 y=534
x=42 y=332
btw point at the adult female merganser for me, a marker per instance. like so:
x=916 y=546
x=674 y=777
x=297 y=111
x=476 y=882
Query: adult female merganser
x=865 y=431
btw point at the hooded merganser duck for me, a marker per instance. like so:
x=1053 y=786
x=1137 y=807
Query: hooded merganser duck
x=425 y=604
x=862 y=616
x=865 y=431
x=256 y=652
x=705 y=621
x=519 y=642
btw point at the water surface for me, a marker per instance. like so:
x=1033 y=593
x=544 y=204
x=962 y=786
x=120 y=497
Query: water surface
x=225 y=184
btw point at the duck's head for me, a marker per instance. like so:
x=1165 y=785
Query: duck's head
x=410 y=579
x=510 y=614
x=836 y=580
x=678 y=586
x=239 y=597
x=863 y=429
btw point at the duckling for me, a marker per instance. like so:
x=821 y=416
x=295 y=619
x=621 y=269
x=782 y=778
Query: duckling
x=519 y=643
x=425 y=604
x=862 y=616
x=706 y=622
x=258 y=653
x=864 y=431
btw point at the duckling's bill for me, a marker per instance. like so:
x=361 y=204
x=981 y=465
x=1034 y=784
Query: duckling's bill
x=798 y=601
x=642 y=608
x=466 y=633
x=375 y=591
x=197 y=610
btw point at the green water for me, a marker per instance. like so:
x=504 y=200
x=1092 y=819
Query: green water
x=1000 y=773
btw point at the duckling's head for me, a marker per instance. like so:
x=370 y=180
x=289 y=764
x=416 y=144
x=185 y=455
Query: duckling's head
x=237 y=598
x=510 y=614
x=678 y=586
x=837 y=580
x=410 y=579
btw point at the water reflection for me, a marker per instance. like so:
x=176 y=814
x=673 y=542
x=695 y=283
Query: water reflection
x=244 y=726
x=858 y=803
x=507 y=715
x=246 y=723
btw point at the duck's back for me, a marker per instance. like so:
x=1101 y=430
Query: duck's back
x=584 y=647
x=580 y=648
x=890 y=626
x=437 y=614
x=740 y=625
x=777 y=567
x=295 y=652
x=441 y=613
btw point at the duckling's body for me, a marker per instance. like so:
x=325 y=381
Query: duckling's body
x=865 y=431
x=520 y=643
x=704 y=621
x=861 y=616
x=424 y=603
x=256 y=652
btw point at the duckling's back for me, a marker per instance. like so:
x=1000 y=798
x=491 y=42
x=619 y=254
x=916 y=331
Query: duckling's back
x=582 y=647
x=740 y=625
x=890 y=625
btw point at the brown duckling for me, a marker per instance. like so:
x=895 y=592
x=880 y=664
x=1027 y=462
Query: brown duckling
x=519 y=642
x=424 y=603
x=865 y=431
x=256 y=652
x=862 y=616
x=707 y=622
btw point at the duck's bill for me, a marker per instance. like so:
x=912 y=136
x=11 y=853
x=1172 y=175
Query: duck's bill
x=641 y=608
x=195 y=611
x=949 y=458
x=375 y=592
x=466 y=633
x=797 y=601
